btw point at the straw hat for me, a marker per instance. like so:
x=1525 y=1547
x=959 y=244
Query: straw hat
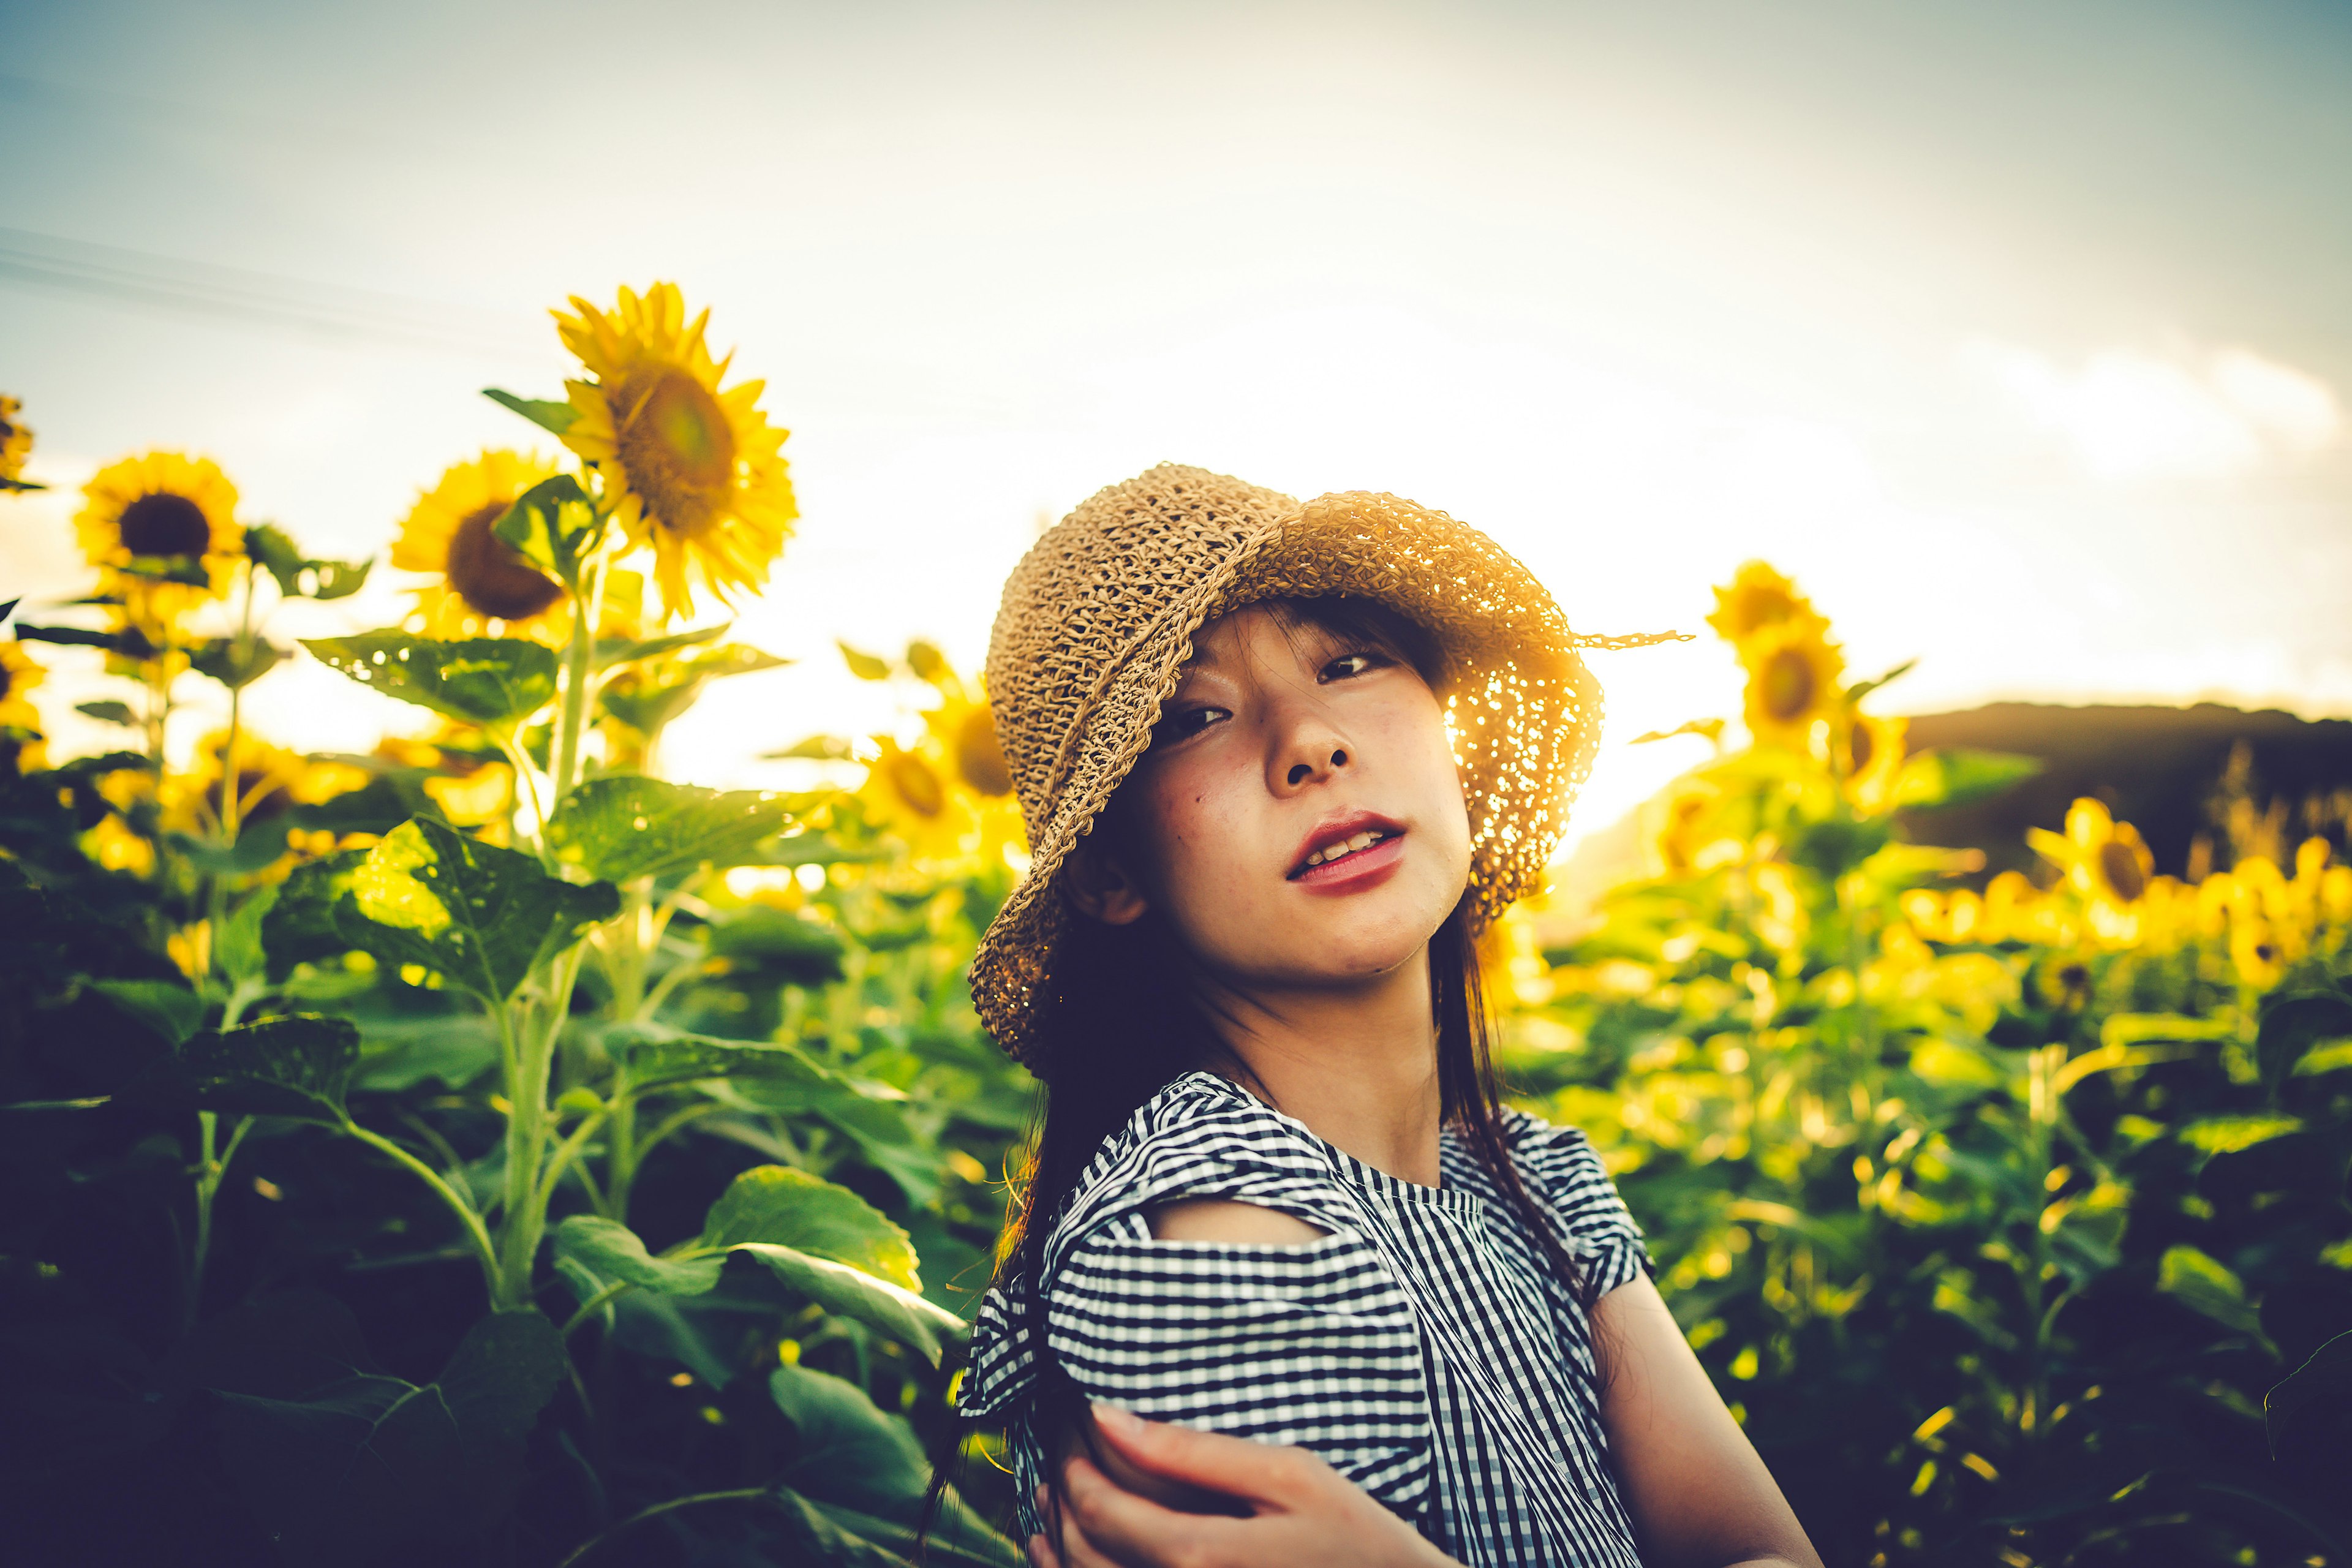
x=1098 y=616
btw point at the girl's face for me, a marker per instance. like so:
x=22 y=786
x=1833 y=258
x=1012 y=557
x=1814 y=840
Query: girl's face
x=1299 y=819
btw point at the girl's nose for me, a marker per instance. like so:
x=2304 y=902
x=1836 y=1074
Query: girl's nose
x=1301 y=772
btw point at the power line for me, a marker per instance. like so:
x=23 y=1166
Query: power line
x=318 y=311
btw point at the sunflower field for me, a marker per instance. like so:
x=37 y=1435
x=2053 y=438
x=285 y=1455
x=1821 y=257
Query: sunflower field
x=489 y=1150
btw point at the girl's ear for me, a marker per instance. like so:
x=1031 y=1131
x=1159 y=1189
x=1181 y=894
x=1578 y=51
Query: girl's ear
x=1094 y=881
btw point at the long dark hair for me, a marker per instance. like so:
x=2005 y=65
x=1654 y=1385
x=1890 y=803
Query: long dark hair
x=1128 y=1016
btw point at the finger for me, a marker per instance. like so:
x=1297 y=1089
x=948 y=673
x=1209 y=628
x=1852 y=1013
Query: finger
x=1073 y=1547
x=1041 y=1553
x=1234 y=1465
x=1121 y=1528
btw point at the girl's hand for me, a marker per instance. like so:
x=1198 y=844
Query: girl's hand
x=1301 y=1512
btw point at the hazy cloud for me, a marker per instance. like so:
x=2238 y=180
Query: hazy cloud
x=2126 y=415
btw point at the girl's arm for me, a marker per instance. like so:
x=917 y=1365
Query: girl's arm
x=1699 y=1496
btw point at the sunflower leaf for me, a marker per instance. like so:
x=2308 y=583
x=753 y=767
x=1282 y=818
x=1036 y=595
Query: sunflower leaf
x=128 y=642
x=496 y=682
x=1862 y=688
x=479 y=916
x=298 y=1066
x=670 y=689
x=816 y=749
x=553 y=418
x=623 y=826
x=553 y=524
x=612 y=652
x=657 y=1055
x=864 y=666
x=776 y=1204
x=233 y=666
x=612 y=1251
x=107 y=712
x=1957 y=775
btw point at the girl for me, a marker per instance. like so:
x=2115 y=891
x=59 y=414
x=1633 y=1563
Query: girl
x=1280 y=766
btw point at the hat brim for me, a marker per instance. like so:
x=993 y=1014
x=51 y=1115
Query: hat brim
x=1523 y=710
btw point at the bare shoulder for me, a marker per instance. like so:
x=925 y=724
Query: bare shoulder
x=1220 y=1219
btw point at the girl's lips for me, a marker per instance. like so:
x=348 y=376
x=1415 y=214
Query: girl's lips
x=1354 y=873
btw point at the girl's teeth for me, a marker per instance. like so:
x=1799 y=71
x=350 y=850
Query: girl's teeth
x=1361 y=841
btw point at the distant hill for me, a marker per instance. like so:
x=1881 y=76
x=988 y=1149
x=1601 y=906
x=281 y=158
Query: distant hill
x=2202 y=783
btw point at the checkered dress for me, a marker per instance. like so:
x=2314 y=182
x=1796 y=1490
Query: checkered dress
x=1422 y=1347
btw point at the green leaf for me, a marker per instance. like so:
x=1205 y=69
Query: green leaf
x=301 y=576
x=668 y=689
x=613 y=1252
x=833 y=1247
x=2202 y=1285
x=656 y=1054
x=850 y=1452
x=1957 y=775
x=1862 y=688
x=166 y=1006
x=864 y=665
x=816 y=749
x=257 y=845
x=128 y=644
x=866 y=1469
x=2295 y=1024
x=238 y=947
x=553 y=417
x=613 y=652
x=2228 y=1134
x=499 y=1378
x=894 y=1310
x=300 y=925
x=107 y=712
x=479 y=916
x=552 y=525
x=234 y=666
x=776 y=941
x=299 y=1067
x=367 y=1467
x=624 y=826
x=791 y=1208
x=496 y=682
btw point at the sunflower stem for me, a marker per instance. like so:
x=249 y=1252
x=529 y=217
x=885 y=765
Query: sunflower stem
x=578 y=670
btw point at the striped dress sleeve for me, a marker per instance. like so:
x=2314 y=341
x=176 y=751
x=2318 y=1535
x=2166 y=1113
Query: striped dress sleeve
x=1313 y=1345
x=1560 y=1166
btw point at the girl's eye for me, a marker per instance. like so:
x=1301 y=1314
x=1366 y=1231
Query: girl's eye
x=1349 y=664
x=1186 y=723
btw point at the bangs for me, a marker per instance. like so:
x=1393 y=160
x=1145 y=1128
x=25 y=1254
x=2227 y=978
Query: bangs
x=1365 y=624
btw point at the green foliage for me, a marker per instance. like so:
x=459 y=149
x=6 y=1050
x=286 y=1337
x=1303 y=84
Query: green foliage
x=496 y=682
x=625 y=826
x=1994 y=1214
x=480 y=917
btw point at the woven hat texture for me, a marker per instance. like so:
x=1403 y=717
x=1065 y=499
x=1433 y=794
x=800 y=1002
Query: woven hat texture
x=1099 y=618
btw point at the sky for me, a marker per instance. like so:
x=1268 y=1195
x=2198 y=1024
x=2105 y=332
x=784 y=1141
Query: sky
x=2020 y=335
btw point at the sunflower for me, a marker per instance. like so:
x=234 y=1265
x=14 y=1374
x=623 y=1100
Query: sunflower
x=481 y=583
x=20 y=723
x=1793 y=672
x=2107 y=862
x=696 y=472
x=1871 y=756
x=1758 y=598
x=913 y=795
x=16 y=443
x=967 y=732
x=162 y=529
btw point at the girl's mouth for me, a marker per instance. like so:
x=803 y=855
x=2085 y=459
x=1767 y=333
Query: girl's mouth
x=1346 y=857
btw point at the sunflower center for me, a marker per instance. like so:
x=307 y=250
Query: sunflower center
x=978 y=756
x=1789 y=685
x=917 y=785
x=2122 y=870
x=675 y=446
x=490 y=575
x=1859 y=748
x=162 y=523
